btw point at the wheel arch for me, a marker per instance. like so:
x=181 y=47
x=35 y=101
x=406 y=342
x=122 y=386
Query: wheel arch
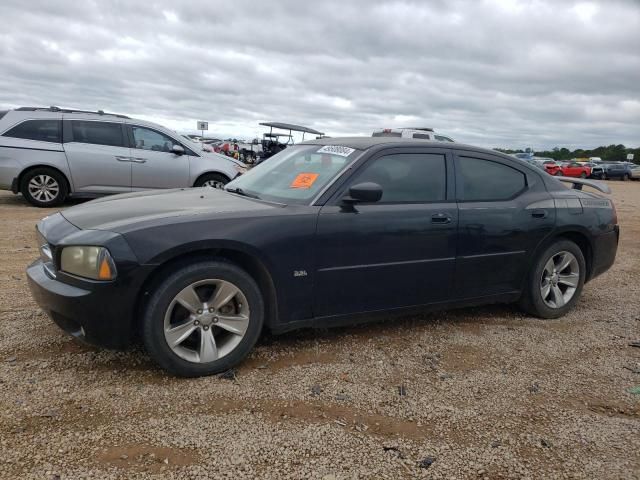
x=210 y=172
x=253 y=265
x=30 y=168
x=577 y=235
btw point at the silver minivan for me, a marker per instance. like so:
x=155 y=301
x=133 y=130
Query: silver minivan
x=48 y=154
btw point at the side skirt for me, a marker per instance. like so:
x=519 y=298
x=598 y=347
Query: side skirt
x=365 y=317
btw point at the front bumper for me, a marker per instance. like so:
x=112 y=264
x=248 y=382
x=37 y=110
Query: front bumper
x=100 y=315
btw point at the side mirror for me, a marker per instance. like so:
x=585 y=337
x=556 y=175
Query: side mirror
x=177 y=150
x=363 y=192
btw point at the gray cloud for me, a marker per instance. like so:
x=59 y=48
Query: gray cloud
x=494 y=73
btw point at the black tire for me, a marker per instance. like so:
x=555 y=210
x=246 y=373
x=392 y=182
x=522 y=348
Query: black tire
x=532 y=301
x=153 y=319
x=39 y=175
x=216 y=178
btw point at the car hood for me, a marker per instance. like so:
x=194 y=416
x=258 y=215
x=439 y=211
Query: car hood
x=119 y=211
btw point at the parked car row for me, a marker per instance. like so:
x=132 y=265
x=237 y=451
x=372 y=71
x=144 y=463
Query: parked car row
x=592 y=169
x=49 y=154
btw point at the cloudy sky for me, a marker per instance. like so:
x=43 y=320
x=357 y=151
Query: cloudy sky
x=492 y=73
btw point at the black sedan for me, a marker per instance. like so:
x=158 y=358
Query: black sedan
x=318 y=235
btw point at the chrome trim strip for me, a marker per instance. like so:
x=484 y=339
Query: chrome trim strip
x=387 y=264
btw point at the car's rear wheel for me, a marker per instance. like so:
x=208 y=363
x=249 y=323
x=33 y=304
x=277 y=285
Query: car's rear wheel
x=555 y=282
x=213 y=180
x=583 y=175
x=203 y=319
x=44 y=187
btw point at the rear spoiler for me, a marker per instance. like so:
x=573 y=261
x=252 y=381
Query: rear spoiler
x=579 y=182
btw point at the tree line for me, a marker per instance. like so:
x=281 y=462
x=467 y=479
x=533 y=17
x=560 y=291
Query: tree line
x=611 y=153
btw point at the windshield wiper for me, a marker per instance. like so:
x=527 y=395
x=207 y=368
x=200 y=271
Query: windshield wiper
x=239 y=191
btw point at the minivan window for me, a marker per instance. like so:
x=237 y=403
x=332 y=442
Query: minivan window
x=147 y=139
x=421 y=136
x=440 y=138
x=484 y=180
x=98 y=133
x=407 y=178
x=387 y=134
x=40 y=130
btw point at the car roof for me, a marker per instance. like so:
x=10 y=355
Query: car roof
x=365 y=143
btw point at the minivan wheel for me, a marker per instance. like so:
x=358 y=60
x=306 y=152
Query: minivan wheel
x=555 y=282
x=44 y=187
x=203 y=319
x=213 y=180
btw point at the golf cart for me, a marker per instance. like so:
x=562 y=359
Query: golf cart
x=273 y=143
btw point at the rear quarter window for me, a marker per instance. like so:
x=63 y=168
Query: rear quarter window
x=387 y=134
x=39 y=130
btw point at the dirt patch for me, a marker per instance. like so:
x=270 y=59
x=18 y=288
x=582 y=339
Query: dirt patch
x=146 y=458
x=301 y=358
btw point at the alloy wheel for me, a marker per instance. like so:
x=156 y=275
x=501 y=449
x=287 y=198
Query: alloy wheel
x=206 y=320
x=44 y=188
x=213 y=184
x=560 y=279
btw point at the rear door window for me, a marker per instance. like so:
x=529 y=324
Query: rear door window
x=483 y=180
x=40 y=130
x=98 y=133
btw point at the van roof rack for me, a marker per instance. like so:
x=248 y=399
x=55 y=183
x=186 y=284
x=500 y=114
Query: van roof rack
x=53 y=108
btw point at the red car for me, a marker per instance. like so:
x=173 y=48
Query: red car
x=574 y=169
x=552 y=168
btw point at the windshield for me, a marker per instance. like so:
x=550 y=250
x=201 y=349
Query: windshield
x=295 y=175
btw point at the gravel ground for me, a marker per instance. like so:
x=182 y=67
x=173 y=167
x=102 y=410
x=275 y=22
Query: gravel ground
x=475 y=393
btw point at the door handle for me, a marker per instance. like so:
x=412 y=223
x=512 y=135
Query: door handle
x=440 y=218
x=123 y=159
x=539 y=213
x=138 y=160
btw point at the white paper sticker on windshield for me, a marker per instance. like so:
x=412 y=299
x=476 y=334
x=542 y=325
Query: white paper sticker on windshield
x=337 y=150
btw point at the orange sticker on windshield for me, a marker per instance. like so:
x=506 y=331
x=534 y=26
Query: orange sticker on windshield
x=304 y=180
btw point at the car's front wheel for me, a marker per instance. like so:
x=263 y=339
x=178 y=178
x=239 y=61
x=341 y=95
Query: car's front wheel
x=213 y=180
x=44 y=187
x=203 y=319
x=555 y=281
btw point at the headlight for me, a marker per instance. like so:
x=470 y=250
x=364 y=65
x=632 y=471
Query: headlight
x=89 y=262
